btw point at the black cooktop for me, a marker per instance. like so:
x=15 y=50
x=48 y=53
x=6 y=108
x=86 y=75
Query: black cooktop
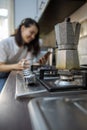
x=53 y=83
x=52 y=87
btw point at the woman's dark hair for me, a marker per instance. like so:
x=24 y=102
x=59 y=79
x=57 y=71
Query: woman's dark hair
x=33 y=45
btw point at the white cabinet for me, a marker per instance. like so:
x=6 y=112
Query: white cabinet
x=40 y=8
x=23 y=9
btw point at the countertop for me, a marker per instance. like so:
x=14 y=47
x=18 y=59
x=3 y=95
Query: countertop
x=14 y=113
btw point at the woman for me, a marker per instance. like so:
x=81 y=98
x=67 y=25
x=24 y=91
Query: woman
x=14 y=49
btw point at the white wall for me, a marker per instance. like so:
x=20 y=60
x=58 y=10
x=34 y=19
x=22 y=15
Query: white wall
x=79 y=16
x=23 y=9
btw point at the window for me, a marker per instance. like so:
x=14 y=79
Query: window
x=6 y=18
x=3 y=23
x=83 y=30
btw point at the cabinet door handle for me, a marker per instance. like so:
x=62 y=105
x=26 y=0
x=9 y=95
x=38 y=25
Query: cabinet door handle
x=41 y=4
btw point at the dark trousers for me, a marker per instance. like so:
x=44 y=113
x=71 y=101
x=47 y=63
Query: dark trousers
x=3 y=78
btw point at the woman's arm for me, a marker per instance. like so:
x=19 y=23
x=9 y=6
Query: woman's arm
x=23 y=64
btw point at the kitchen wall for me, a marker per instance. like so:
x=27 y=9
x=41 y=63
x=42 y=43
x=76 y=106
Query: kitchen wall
x=81 y=16
x=49 y=40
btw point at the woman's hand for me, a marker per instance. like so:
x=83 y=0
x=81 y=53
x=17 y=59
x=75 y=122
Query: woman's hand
x=22 y=64
x=44 y=59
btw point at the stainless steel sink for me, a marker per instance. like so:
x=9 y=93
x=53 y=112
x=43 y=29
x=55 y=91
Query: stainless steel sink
x=59 y=113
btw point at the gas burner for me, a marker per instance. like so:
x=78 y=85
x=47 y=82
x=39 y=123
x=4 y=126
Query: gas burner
x=69 y=78
x=66 y=78
x=68 y=81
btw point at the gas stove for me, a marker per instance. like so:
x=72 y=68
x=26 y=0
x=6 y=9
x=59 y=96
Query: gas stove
x=66 y=80
x=49 y=82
